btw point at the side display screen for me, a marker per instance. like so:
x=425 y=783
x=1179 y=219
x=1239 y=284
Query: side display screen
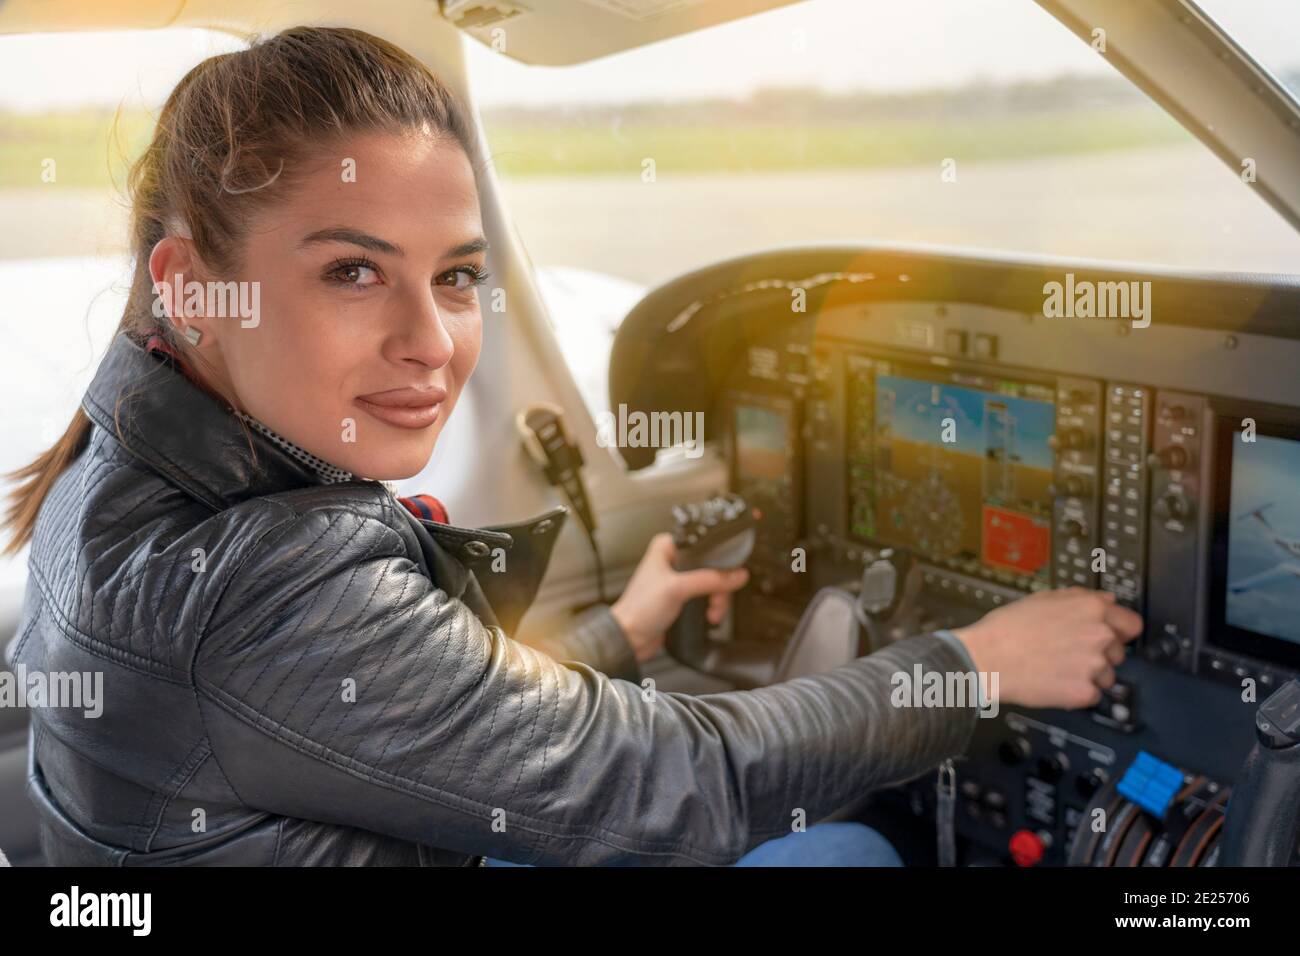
x=761 y=443
x=766 y=471
x=1255 y=559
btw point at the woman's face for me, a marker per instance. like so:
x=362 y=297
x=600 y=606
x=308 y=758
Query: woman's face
x=368 y=324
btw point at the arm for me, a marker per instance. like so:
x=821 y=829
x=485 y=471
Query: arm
x=593 y=637
x=618 y=638
x=455 y=727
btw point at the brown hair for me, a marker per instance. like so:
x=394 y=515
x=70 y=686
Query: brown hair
x=228 y=142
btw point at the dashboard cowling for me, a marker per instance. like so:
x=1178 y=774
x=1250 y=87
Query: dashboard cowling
x=676 y=346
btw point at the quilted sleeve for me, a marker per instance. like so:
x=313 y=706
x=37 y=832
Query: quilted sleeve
x=593 y=637
x=339 y=684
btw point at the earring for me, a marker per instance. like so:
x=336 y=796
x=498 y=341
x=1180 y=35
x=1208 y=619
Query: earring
x=192 y=335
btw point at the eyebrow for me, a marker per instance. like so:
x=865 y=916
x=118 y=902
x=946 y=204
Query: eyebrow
x=375 y=244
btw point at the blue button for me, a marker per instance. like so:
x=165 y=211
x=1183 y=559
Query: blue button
x=1151 y=783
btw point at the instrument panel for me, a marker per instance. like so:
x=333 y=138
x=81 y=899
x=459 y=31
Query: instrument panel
x=998 y=481
x=1020 y=481
x=926 y=411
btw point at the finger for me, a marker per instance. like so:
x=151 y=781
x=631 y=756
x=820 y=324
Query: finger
x=1095 y=605
x=719 y=602
x=1099 y=635
x=1087 y=695
x=1124 y=622
x=1077 y=591
x=1115 y=653
x=1076 y=694
x=707 y=580
x=1104 y=676
x=661 y=546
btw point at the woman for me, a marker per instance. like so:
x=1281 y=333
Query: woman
x=300 y=669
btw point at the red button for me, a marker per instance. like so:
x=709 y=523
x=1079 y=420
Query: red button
x=1026 y=848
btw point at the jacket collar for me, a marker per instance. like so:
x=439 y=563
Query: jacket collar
x=198 y=444
x=183 y=433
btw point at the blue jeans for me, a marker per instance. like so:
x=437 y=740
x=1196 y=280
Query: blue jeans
x=823 y=844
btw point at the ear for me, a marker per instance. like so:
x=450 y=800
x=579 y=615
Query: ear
x=177 y=298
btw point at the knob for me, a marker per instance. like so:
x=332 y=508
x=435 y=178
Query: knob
x=1052 y=767
x=1162 y=648
x=1170 y=458
x=1076 y=487
x=1014 y=751
x=1089 y=783
x=1026 y=847
x=1073 y=528
x=1074 y=438
x=1176 y=505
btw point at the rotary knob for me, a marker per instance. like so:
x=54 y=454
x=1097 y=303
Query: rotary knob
x=1014 y=751
x=1176 y=505
x=1162 y=648
x=1073 y=528
x=1076 y=487
x=1070 y=438
x=1170 y=458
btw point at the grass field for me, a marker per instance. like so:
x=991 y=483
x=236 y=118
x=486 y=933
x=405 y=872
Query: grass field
x=89 y=152
x=539 y=151
x=1124 y=183
x=89 y=149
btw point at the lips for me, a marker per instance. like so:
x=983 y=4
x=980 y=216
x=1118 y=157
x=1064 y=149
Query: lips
x=409 y=407
x=410 y=397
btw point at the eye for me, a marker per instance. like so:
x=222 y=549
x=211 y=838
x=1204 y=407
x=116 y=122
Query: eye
x=359 y=273
x=463 y=278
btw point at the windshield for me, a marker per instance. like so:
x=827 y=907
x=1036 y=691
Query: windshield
x=1268 y=31
x=984 y=125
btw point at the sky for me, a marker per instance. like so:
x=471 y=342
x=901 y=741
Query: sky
x=838 y=45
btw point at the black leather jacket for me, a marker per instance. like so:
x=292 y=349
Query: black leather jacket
x=304 y=673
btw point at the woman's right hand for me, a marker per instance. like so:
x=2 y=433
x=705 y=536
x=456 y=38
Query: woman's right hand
x=1054 y=648
x=657 y=591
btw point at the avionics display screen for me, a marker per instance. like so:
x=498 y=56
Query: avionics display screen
x=765 y=468
x=1256 y=566
x=761 y=442
x=961 y=470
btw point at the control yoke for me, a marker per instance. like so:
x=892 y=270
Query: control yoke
x=718 y=533
x=1263 y=817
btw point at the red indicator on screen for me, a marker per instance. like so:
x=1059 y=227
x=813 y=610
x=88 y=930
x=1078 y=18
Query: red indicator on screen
x=1015 y=541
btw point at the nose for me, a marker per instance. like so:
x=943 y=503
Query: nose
x=420 y=335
